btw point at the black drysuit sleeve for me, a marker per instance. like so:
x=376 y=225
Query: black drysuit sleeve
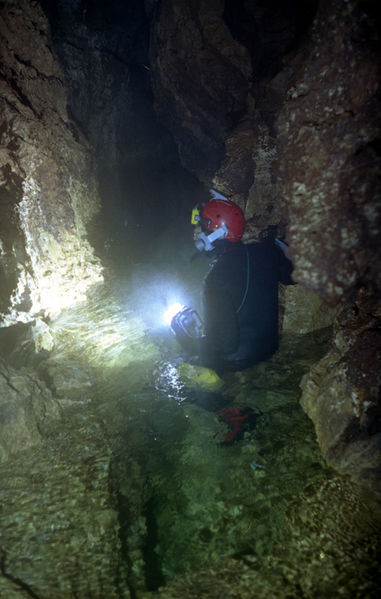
x=285 y=269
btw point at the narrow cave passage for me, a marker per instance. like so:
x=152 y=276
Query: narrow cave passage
x=118 y=477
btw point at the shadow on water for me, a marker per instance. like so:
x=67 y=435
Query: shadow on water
x=154 y=575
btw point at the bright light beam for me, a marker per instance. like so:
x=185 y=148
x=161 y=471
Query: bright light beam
x=171 y=311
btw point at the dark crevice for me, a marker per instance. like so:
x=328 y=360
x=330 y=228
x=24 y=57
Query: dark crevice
x=154 y=575
x=19 y=93
x=125 y=520
x=269 y=29
x=14 y=579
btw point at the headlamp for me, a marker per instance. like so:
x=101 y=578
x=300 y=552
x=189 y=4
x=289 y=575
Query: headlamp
x=195 y=218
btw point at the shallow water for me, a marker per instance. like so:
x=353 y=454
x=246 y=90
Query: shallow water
x=268 y=497
x=251 y=500
x=260 y=517
x=188 y=501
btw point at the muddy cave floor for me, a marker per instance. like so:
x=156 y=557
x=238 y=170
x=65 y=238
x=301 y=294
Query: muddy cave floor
x=201 y=517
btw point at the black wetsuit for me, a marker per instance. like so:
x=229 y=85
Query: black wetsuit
x=240 y=299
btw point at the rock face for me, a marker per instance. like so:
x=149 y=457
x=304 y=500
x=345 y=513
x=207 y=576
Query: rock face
x=47 y=193
x=200 y=77
x=341 y=395
x=328 y=167
x=25 y=407
x=103 y=50
x=58 y=519
x=328 y=155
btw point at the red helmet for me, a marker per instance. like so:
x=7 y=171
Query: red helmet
x=217 y=213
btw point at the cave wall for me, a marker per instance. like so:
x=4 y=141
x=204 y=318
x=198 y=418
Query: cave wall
x=200 y=79
x=328 y=154
x=48 y=194
x=328 y=170
x=103 y=48
x=59 y=525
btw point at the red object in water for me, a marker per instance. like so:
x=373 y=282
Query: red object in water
x=234 y=417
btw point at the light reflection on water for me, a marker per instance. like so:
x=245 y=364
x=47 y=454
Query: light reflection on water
x=167 y=381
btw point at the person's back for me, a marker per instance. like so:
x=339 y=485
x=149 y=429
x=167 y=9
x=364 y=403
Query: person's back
x=241 y=304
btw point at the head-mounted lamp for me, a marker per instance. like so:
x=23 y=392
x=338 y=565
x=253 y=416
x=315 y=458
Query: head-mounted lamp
x=204 y=239
x=196 y=217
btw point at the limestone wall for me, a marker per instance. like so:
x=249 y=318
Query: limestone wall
x=328 y=171
x=47 y=194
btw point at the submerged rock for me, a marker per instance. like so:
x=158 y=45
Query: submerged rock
x=27 y=407
x=59 y=526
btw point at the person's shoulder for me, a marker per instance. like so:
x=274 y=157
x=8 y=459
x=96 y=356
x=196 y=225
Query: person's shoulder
x=225 y=261
x=254 y=247
x=267 y=252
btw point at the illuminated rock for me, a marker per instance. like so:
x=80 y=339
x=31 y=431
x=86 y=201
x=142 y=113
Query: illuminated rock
x=47 y=188
x=328 y=155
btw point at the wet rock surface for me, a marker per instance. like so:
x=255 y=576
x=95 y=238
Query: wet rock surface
x=290 y=530
x=59 y=522
x=306 y=560
x=59 y=525
x=341 y=395
x=328 y=124
x=27 y=407
x=48 y=194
